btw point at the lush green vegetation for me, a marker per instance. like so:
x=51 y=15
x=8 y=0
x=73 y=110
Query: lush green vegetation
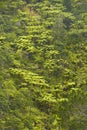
x=43 y=65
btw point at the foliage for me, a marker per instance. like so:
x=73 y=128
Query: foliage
x=43 y=65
